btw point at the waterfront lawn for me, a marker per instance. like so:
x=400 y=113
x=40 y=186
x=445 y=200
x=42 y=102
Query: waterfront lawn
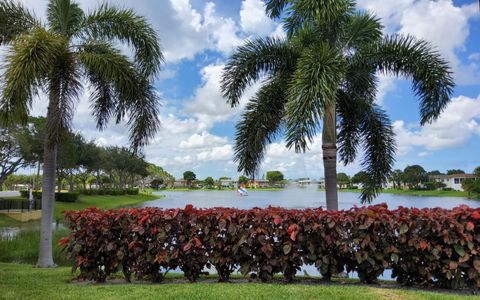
x=8 y=222
x=25 y=282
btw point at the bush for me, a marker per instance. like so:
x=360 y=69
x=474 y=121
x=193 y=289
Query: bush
x=436 y=247
x=61 y=197
x=66 y=197
x=112 y=192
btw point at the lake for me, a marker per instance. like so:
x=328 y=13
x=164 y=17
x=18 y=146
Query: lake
x=294 y=197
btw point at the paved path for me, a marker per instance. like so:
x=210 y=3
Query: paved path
x=9 y=193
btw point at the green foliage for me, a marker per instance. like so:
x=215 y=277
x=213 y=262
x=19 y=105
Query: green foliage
x=209 y=182
x=274 y=176
x=455 y=171
x=189 y=175
x=243 y=179
x=477 y=172
x=343 y=179
x=361 y=177
x=414 y=176
x=112 y=192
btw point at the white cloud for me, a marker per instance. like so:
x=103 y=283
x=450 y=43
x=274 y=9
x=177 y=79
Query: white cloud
x=202 y=140
x=456 y=125
x=253 y=18
x=224 y=152
x=442 y=23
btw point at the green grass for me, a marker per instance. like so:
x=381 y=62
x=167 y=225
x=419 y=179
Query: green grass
x=23 y=248
x=102 y=201
x=8 y=222
x=25 y=282
x=415 y=193
x=216 y=190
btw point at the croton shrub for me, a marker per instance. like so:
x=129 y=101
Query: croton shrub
x=436 y=247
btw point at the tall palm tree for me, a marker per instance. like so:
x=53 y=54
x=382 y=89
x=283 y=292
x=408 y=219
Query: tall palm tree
x=324 y=75
x=56 y=57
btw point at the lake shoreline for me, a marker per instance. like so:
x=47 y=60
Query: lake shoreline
x=460 y=194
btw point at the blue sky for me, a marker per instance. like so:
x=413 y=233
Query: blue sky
x=198 y=126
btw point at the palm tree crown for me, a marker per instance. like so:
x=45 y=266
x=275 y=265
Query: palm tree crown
x=324 y=75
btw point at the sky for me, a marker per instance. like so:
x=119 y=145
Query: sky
x=198 y=126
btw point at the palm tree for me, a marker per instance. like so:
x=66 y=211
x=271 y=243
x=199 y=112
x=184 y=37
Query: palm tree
x=56 y=57
x=324 y=75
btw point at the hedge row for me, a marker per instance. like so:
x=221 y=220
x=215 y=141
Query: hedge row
x=436 y=247
x=113 y=192
x=59 y=196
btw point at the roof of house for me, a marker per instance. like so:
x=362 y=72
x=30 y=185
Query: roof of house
x=452 y=176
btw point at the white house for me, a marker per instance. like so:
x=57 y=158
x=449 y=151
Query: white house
x=453 y=181
x=228 y=183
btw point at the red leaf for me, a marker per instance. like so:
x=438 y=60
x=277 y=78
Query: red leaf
x=292 y=228
x=146 y=217
x=470 y=226
x=277 y=221
x=293 y=235
x=175 y=213
x=475 y=215
x=423 y=245
x=188 y=208
x=63 y=241
x=198 y=243
x=187 y=247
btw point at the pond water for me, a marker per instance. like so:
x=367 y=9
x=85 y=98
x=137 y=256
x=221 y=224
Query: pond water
x=294 y=197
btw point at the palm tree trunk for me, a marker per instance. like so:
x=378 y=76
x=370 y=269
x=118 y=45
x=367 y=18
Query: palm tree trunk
x=45 y=257
x=329 y=147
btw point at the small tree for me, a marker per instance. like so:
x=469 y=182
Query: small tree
x=397 y=178
x=242 y=179
x=414 y=176
x=360 y=178
x=274 y=176
x=477 y=171
x=209 y=182
x=343 y=180
x=189 y=176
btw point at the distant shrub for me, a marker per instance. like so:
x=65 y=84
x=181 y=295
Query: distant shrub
x=112 y=192
x=66 y=197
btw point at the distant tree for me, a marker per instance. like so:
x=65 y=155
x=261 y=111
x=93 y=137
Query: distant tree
x=361 y=177
x=397 y=178
x=243 y=179
x=455 y=171
x=209 y=182
x=189 y=176
x=343 y=180
x=435 y=172
x=477 y=171
x=472 y=187
x=275 y=176
x=224 y=178
x=414 y=176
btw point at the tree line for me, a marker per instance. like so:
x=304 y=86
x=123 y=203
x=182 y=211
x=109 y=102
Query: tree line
x=413 y=177
x=81 y=164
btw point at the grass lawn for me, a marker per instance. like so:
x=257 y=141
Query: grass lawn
x=84 y=201
x=416 y=193
x=19 y=281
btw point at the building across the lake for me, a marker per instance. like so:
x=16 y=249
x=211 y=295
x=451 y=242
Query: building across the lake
x=453 y=181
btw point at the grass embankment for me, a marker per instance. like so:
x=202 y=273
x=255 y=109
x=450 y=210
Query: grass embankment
x=24 y=282
x=84 y=201
x=415 y=193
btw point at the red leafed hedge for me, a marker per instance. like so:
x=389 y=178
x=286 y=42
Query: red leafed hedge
x=422 y=246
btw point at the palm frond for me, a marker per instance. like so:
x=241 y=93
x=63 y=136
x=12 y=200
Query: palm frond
x=259 y=125
x=64 y=16
x=28 y=64
x=111 y=75
x=362 y=29
x=119 y=90
x=379 y=145
x=252 y=60
x=416 y=59
x=15 y=19
x=109 y=22
x=314 y=83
